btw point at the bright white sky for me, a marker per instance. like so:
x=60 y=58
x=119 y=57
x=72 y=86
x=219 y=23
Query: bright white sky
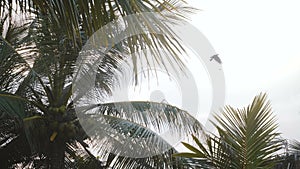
x=258 y=42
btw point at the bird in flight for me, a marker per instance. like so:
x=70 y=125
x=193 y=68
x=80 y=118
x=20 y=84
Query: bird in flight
x=216 y=58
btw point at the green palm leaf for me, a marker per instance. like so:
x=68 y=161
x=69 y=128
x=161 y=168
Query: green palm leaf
x=12 y=68
x=247 y=138
x=124 y=127
x=81 y=19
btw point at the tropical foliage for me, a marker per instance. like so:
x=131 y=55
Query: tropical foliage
x=38 y=124
x=295 y=146
x=290 y=158
x=247 y=138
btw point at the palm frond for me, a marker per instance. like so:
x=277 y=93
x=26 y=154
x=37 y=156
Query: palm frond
x=251 y=132
x=247 y=138
x=15 y=50
x=295 y=146
x=123 y=129
x=12 y=67
x=77 y=156
x=14 y=145
x=12 y=107
x=148 y=114
x=81 y=19
x=20 y=117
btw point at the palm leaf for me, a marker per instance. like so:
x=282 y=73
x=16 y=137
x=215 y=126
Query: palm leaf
x=124 y=128
x=12 y=107
x=295 y=146
x=12 y=67
x=250 y=131
x=81 y=19
x=247 y=138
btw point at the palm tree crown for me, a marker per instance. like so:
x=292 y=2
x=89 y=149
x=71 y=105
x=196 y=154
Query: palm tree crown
x=247 y=138
x=39 y=127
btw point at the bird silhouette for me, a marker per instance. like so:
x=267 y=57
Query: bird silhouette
x=216 y=58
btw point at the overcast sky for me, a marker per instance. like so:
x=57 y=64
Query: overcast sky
x=258 y=42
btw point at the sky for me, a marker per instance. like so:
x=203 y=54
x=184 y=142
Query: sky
x=258 y=42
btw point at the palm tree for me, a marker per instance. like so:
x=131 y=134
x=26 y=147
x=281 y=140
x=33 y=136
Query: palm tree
x=39 y=127
x=295 y=152
x=246 y=139
x=290 y=158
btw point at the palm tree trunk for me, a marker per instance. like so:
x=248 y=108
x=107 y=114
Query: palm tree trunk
x=57 y=155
